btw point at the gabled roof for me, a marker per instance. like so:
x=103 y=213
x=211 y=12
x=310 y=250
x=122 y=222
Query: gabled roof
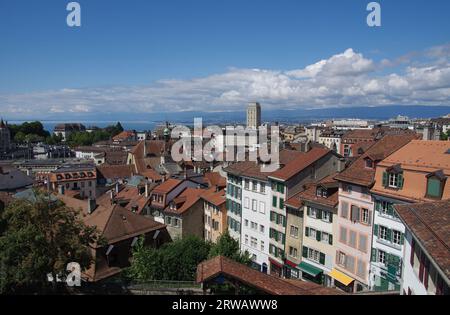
x=430 y=224
x=217 y=198
x=299 y=163
x=14 y=179
x=153 y=147
x=185 y=200
x=114 y=222
x=115 y=171
x=167 y=186
x=215 y=267
x=310 y=194
x=359 y=174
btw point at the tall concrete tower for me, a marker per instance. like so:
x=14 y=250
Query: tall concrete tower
x=253 y=115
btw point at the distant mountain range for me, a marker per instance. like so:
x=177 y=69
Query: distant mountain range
x=296 y=115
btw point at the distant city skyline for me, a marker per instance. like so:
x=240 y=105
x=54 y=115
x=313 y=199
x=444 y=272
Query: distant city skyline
x=178 y=56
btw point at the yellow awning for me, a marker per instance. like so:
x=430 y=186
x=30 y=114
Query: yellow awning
x=342 y=278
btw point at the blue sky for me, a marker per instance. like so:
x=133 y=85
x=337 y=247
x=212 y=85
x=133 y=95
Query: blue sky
x=185 y=54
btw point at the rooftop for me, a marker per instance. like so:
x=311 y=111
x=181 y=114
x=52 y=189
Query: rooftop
x=430 y=224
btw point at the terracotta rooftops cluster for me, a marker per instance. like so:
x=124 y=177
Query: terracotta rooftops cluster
x=359 y=174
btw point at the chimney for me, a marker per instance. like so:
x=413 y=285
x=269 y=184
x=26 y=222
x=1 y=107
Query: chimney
x=61 y=189
x=163 y=160
x=92 y=204
x=29 y=172
x=111 y=193
x=145 y=148
x=117 y=188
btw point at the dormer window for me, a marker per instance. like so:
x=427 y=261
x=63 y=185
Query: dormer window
x=435 y=184
x=369 y=163
x=393 y=177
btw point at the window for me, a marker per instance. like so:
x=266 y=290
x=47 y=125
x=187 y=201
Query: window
x=344 y=210
x=383 y=232
x=274 y=201
x=396 y=237
x=326 y=216
x=168 y=220
x=369 y=163
x=362 y=246
x=365 y=216
x=312 y=233
x=246 y=202
x=384 y=207
x=262 y=188
x=254 y=205
x=355 y=213
x=247 y=184
x=246 y=239
x=254 y=225
x=347 y=188
x=254 y=185
x=352 y=239
x=262 y=207
x=361 y=269
x=342 y=259
x=262 y=228
x=175 y=222
x=293 y=252
x=312 y=212
x=343 y=235
x=262 y=246
x=381 y=257
x=246 y=222
x=393 y=180
x=254 y=242
x=325 y=237
x=294 y=231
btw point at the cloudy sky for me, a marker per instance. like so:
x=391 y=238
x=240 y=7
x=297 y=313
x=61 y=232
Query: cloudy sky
x=174 y=56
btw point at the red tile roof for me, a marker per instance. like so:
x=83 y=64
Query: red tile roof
x=220 y=265
x=124 y=135
x=215 y=179
x=167 y=186
x=430 y=224
x=185 y=200
x=115 y=171
x=359 y=174
x=217 y=198
x=299 y=163
x=310 y=194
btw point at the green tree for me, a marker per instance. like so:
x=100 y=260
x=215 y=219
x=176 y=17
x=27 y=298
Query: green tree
x=229 y=247
x=40 y=238
x=175 y=261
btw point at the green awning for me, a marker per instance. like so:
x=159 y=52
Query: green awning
x=309 y=269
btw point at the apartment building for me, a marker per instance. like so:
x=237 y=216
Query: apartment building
x=426 y=268
x=215 y=211
x=320 y=202
x=417 y=172
x=294 y=237
x=301 y=168
x=355 y=214
x=262 y=219
x=78 y=179
x=332 y=139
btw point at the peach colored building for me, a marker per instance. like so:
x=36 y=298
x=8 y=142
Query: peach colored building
x=215 y=211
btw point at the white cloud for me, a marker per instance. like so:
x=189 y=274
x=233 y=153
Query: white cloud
x=345 y=79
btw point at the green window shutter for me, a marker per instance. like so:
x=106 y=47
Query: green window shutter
x=281 y=203
x=274 y=201
x=284 y=221
x=331 y=217
x=402 y=239
x=389 y=235
x=330 y=239
x=385 y=179
x=305 y=252
x=375 y=229
x=284 y=238
x=374 y=254
x=308 y=211
x=318 y=236
x=319 y=214
x=377 y=206
x=322 y=259
x=307 y=231
x=400 y=181
x=434 y=187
